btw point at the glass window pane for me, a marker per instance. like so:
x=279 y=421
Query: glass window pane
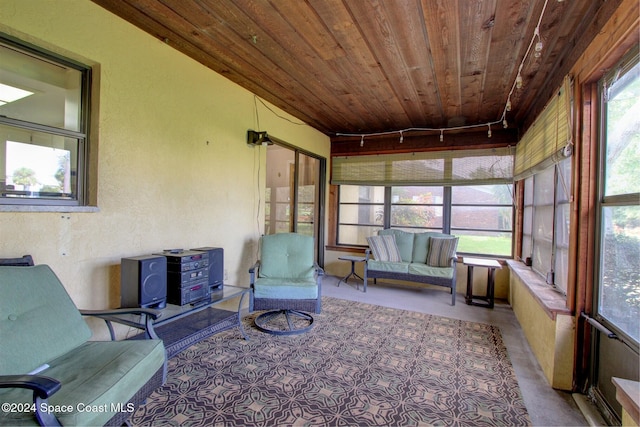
x=543 y=223
x=544 y=186
x=563 y=187
x=482 y=195
x=356 y=235
x=482 y=217
x=528 y=191
x=38 y=165
x=39 y=91
x=541 y=257
x=361 y=214
x=485 y=243
x=361 y=194
x=416 y=207
x=620 y=277
x=417 y=195
x=561 y=269
x=623 y=135
x=527 y=220
x=416 y=216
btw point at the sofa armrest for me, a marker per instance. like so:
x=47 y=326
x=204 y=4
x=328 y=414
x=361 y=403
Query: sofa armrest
x=111 y=315
x=42 y=387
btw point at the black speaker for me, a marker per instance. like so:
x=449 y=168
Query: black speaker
x=216 y=266
x=143 y=281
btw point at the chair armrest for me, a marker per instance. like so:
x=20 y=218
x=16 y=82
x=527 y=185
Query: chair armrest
x=252 y=272
x=42 y=387
x=255 y=267
x=367 y=252
x=111 y=315
x=319 y=270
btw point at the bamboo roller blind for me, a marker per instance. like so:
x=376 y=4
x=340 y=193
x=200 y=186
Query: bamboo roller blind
x=544 y=142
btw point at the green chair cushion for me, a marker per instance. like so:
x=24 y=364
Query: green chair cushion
x=37 y=317
x=95 y=377
x=388 y=266
x=428 y=271
x=287 y=256
x=274 y=288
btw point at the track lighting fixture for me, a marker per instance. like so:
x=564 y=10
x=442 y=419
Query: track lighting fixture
x=489 y=132
x=258 y=138
x=401 y=137
x=362 y=141
x=441 y=135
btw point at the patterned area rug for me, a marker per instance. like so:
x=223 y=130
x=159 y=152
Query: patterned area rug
x=360 y=365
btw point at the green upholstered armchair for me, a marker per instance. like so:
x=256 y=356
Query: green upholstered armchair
x=50 y=371
x=287 y=281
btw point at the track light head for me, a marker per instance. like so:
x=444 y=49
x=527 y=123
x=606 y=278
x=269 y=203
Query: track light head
x=258 y=138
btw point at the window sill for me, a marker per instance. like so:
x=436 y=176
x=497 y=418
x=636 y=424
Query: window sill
x=45 y=208
x=551 y=301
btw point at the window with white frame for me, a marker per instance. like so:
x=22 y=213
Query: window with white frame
x=44 y=111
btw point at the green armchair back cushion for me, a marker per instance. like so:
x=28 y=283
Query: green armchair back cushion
x=40 y=324
x=36 y=315
x=287 y=256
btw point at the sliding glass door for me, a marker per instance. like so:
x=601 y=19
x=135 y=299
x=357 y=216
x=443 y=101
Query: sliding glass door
x=294 y=199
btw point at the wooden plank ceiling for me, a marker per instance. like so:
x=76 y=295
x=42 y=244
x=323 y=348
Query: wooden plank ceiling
x=366 y=66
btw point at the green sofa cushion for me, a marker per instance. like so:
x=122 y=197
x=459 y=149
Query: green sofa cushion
x=420 y=247
x=421 y=244
x=38 y=318
x=426 y=270
x=275 y=288
x=404 y=241
x=295 y=262
x=388 y=266
x=94 y=376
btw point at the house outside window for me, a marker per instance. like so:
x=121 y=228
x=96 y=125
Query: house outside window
x=44 y=111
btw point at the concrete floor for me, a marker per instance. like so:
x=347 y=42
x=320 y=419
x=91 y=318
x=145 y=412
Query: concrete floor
x=546 y=406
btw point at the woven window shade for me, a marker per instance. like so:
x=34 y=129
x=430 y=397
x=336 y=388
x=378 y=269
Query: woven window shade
x=456 y=167
x=544 y=142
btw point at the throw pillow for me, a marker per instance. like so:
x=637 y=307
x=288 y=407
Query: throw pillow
x=384 y=248
x=441 y=249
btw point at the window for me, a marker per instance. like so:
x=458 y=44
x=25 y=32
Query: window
x=545 y=230
x=44 y=126
x=619 y=202
x=481 y=215
x=543 y=167
x=467 y=193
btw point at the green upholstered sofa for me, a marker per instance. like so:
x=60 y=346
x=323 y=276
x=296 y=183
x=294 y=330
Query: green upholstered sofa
x=427 y=257
x=50 y=371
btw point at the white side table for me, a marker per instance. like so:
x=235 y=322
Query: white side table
x=490 y=265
